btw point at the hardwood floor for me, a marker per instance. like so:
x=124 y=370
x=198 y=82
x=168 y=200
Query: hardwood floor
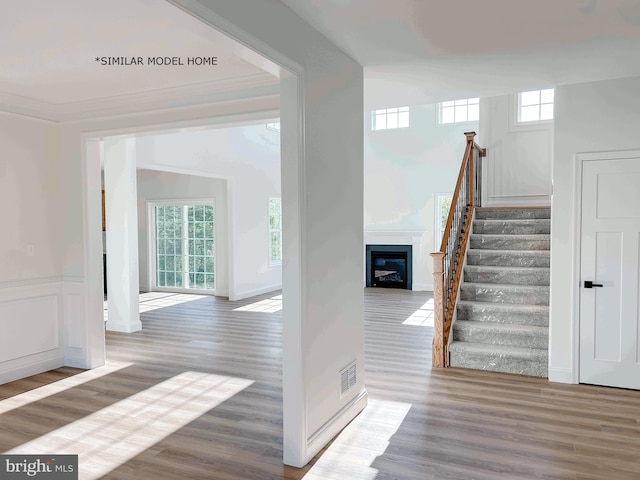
x=197 y=395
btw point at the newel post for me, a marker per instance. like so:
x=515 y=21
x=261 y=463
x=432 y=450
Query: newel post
x=472 y=178
x=438 y=352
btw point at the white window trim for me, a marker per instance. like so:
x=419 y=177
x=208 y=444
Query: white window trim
x=516 y=126
x=373 y=119
x=274 y=263
x=151 y=244
x=466 y=122
x=515 y=112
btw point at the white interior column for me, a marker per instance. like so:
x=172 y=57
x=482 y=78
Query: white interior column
x=122 y=234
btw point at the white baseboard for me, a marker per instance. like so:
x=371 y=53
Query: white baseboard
x=319 y=439
x=32 y=365
x=253 y=293
x=124 y=327
x=221 y=292
x=75 y=357
x=422 y=287
x=561 y=375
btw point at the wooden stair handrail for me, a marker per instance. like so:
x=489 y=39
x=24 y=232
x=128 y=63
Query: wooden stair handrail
x=447 y=271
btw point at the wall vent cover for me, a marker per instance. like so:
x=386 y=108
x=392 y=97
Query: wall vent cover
x=348 y=379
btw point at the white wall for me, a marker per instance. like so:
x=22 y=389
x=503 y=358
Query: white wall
x=249 y=158
x=322 y=193
x=405 y=169
x=158 y=185
x=31 y=284
x=29 y=196
x=589 y=117
x=517 y=168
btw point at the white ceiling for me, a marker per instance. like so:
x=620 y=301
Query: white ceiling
x=416 y=51
x=48 y=50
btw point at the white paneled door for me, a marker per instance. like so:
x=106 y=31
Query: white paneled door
x=609 y=326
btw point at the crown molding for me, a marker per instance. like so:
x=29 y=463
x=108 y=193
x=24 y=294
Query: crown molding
x=219 y=91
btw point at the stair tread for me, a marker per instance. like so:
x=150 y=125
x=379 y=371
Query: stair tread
x=502 y=327
x=506 y=286
x=508 y=268
x=536 y=236
x=499 y=350
x=520 y=307
x=514 y=209
x=508 y=213
x=514 y=252
x=524 y=220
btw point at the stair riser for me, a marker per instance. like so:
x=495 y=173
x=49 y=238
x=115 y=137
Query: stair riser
x=515 y=214
x=509 y=242
x=495 y=363
x=513 y=318
x=507 y=277
x=500 y=338
x=508 y=259
x=501 y=295
x=512 y=228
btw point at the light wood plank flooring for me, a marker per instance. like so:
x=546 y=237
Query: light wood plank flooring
x=226 y=421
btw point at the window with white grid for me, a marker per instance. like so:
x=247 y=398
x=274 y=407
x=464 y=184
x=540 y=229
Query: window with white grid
x=459 y=111
x=184 y=246
x=535 y=105
x=390 y=118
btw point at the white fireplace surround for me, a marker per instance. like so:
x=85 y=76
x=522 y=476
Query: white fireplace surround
x=415 y=238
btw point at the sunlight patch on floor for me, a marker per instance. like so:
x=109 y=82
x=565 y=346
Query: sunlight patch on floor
x=354 y=451
x=45 y=391
x=269 y=305
x=114 y=435
x=154 y=300
x=422 y=317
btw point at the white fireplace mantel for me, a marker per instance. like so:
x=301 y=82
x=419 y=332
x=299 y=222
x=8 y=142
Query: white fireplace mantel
x=396 y=237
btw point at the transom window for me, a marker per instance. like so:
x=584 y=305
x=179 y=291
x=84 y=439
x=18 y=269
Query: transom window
x=184 y=247
x=535 y=105
x=389 y=118
x=275 y=230
x=459 y=111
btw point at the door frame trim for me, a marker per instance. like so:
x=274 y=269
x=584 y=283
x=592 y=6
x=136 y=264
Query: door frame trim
x=579 y=161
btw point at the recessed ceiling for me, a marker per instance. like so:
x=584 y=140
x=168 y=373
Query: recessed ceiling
x=429 y=50
x=48 y=51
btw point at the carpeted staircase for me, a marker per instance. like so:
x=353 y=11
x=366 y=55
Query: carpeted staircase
x=503 y=310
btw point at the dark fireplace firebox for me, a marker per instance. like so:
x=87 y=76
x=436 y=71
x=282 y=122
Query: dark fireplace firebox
x=389 y=266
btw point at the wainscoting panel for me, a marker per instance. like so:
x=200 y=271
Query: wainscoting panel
x=31 y=326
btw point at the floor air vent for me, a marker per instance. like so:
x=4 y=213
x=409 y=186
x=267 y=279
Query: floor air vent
x=347 y=379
